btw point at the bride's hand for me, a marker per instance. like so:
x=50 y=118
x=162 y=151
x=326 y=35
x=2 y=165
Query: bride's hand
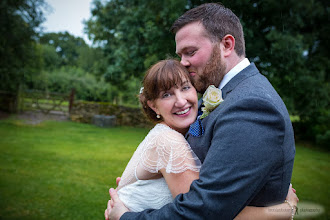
x=292 y=197
x=118 y=180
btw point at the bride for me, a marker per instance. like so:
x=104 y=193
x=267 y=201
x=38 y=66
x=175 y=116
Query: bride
x=164 y=165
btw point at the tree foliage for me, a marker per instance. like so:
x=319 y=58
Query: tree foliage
x=288 y=40
x=69 y=63
x=133 y=34
x=64 y=79
x=19 y=53
x=66 y=45
x=63 y=49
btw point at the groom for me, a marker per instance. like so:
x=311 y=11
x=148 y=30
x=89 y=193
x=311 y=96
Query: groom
x=247 y=148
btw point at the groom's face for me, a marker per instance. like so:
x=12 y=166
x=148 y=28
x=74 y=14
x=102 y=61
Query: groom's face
x=200 y=56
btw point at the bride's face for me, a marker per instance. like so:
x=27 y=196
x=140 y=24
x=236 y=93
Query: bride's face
x=178 y=106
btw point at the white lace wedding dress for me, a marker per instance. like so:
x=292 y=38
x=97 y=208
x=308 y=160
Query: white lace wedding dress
x=165 y=148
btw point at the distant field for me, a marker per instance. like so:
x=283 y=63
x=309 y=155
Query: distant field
x=63 y=170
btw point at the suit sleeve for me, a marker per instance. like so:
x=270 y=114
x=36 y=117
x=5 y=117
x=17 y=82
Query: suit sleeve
x=246 y=146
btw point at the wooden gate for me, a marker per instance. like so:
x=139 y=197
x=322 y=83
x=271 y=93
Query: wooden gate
x=46 y=102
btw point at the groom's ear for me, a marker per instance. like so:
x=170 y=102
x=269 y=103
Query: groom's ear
x=228 y=45
x=153 y=106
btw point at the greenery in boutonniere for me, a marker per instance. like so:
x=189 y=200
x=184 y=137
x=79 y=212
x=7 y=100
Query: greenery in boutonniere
x=211 y=99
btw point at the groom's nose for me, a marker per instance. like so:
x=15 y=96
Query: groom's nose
x=184 y=61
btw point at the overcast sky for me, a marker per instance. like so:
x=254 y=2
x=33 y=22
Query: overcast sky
x=67 y=15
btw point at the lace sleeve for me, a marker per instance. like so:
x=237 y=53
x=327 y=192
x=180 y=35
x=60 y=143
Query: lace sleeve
x=170 y=150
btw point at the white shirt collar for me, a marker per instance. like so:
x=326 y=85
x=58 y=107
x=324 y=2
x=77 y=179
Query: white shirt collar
x=234 y=71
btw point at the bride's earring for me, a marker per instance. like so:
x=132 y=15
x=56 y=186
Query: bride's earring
x=158 y=116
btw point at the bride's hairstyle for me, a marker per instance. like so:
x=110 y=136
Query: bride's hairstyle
x=162 y=76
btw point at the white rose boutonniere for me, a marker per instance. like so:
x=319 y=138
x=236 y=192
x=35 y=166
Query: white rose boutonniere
x=211 y=99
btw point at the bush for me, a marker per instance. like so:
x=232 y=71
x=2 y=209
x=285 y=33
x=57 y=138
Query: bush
x=66 y=78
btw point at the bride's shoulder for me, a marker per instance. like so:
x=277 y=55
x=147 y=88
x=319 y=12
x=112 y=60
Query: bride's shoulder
x=167 y=148
x=164 y=138
x=167 y=134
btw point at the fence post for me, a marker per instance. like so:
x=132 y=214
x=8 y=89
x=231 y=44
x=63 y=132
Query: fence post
x=71 y=99
x=19 y=99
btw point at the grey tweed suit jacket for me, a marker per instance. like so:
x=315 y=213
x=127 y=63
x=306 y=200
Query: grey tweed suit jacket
x=247 y=151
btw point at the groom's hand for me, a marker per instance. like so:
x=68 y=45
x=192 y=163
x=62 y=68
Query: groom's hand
x=116 y=207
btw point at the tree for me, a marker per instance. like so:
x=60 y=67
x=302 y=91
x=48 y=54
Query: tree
x=51 y=59
x=133 y=34
x=66 y=45
x=63 y=49
x=19 y=54
x=92 y=60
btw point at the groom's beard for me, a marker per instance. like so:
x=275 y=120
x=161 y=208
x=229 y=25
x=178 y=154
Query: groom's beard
x=213 y=72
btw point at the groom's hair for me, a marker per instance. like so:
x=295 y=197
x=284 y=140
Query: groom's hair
x=217 y=20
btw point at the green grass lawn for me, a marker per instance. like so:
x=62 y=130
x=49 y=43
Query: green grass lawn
x=63 y=170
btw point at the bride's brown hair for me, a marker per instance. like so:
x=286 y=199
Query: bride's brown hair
x=162 y=76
